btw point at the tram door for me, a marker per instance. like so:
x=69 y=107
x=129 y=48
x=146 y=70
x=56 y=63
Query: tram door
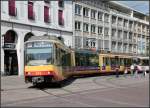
x=11 y=62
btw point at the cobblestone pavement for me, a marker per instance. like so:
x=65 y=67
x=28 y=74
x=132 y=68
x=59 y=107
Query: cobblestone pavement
x=95 y=91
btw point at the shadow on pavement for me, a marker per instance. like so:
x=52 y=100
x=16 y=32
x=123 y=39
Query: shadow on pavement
x=54 y=85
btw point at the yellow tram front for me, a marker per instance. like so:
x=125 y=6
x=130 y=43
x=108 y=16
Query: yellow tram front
x=41 y=61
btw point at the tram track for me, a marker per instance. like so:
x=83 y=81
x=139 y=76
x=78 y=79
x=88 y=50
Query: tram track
x=99 y=82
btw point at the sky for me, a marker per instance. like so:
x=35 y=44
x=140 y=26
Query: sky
x=142 y=6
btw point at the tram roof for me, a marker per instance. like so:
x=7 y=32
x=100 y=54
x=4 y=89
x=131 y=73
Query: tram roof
x=45 y=37
x=86 y=51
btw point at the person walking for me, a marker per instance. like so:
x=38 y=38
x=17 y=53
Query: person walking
x=117 y=71
x=132 y=69
x=125 y=71
x=136 y=71
x=144 y=71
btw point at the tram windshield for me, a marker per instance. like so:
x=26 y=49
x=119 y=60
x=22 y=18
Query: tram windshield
x=39 y=53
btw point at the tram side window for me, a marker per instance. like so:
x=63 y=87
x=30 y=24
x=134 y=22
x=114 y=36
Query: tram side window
x=66 y=59
x=129 y=62
x=80 y=59
x=121 y=61
x=92 y=60
x=113 y=61
x=106 y=61
x=145 y=62
x=58 y=56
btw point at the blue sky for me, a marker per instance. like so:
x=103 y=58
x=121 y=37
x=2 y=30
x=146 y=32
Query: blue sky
x=142 y=6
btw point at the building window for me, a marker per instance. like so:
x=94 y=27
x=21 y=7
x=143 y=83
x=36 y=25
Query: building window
x=130 y=35
x=130 y=24
x=77 y=25
x=125 y=35
x=85 y=27
x=125 y=23
x=61 y=3
x=119 y=33
x=93 y=28
x=100 y=30
x=106 y=31
x=46 y=14
x=100 y=16
x=60 y=17
x=113 y=32
x=77 y=9
x=119 y=22
x=93 y=14
x=86 y=12
x=30 y=11
x=12 y=8
x=106 y=18
x=113 y=20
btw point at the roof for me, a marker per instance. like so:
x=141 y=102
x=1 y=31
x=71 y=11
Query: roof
x=86 y=51
x=127 y=7
x=46 y=37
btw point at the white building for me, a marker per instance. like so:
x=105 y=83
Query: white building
x=109 y=26
x=106 y=26
x=22 y=19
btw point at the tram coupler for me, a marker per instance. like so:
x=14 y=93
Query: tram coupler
x=37 y=79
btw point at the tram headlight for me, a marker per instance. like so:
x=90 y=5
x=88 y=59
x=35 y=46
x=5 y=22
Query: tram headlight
x=28 y=73
x=49 y=72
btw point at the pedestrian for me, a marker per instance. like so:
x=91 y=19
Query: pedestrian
x=117 y=71
x=144 y=71
x=135 y=71
x=132 y=69
x=125 y=71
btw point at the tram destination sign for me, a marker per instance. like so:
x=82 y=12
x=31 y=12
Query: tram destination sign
x=38 y=44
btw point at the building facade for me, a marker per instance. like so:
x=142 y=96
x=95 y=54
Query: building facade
x=107 y=26
x=23 y=19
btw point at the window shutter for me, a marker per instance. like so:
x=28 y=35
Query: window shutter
x=46 y=13
x=12 y=8
x=30 y=10
x=60 y=17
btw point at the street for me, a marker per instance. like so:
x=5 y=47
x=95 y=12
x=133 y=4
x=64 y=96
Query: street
x=95 y=91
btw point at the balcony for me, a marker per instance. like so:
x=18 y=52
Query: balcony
x=106 y=36
x=85 y=34
x=119 y=25
x=100 y=35
x=93 y=21
x=100 y=22
x=86 y=19
x=78 y=17
x=114 y=38
x=114 y=24
x=125 y=40
x=120 y=39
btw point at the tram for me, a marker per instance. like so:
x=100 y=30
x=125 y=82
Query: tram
x=143 y=63
x=47 y=59
x=109 y=61
x=85 y=62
